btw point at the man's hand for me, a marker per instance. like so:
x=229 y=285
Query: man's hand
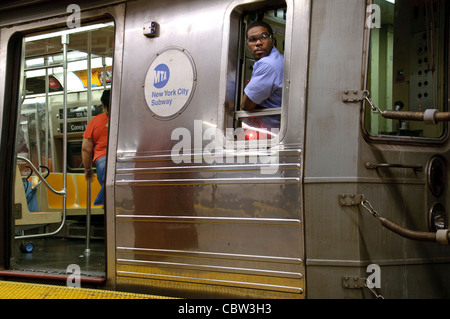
x=88 y=173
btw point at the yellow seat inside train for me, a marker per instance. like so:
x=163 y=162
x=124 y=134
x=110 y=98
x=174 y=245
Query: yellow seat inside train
x=55 y=180
x=76 y=192
x=82 y=190
x=51 y=204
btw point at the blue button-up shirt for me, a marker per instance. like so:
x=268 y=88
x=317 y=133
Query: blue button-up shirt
x=266 y=84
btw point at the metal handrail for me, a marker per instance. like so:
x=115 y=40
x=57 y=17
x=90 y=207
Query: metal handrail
x=41 y=178
x=63 y=192
x=431 y=116
x=258 y=112
x=370 y=165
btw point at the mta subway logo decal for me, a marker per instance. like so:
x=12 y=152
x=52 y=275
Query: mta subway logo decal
x=162 y=75
x=169 y=83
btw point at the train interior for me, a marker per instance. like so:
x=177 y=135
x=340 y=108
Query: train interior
x=408 y=73
x=50 y=229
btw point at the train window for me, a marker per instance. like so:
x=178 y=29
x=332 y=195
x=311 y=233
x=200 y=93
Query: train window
x=254 y=105
x=407 y=69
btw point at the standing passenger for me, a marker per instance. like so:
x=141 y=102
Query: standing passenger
x=95 y=141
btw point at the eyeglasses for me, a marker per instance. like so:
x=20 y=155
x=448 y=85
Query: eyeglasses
x=263 y=37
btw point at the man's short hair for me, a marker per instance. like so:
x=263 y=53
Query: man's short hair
x=260 y=24
x=105 y=98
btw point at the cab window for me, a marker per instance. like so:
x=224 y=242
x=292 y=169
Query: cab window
x=255 y=93
x=408 y=68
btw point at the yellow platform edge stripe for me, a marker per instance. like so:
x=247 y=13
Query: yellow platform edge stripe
x=20 y=290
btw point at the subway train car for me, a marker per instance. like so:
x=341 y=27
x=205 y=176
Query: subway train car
x=345 y=197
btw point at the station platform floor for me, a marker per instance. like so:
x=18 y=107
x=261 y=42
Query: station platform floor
x=21 y=290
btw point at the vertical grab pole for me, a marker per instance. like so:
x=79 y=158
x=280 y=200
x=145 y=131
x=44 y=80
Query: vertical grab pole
x=65 y=43
x=47 y=110
x=87 y=251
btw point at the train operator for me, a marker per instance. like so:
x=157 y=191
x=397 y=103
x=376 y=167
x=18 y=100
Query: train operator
x=265 y=86
x=95 y=141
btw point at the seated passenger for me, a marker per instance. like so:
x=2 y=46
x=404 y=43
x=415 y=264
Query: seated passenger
x=31 y=196
x=264 y=89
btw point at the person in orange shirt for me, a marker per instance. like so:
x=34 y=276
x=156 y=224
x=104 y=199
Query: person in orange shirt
x=95 y=142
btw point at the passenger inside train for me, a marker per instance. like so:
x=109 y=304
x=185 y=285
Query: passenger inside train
x=94 y=147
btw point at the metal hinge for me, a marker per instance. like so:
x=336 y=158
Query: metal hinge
x=353 y=282
x=350 y=199
x=354 y=95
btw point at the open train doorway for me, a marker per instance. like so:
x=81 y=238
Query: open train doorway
x=57 y=228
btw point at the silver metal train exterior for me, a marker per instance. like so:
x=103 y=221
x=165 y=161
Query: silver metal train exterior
x=192 y=215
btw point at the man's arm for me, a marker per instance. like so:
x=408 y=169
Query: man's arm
x=87 y=150
x=247 y=104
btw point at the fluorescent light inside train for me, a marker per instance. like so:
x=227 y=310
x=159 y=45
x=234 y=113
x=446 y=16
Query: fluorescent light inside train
x=69 y=31
x=71 y=66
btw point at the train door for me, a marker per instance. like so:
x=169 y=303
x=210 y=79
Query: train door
x=407 y=153
x=56 y=226
x=199 y=211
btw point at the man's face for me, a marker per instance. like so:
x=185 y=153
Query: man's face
x=259 y=45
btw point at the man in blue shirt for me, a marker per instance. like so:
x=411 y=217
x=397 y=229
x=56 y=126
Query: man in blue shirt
x=266 y=84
